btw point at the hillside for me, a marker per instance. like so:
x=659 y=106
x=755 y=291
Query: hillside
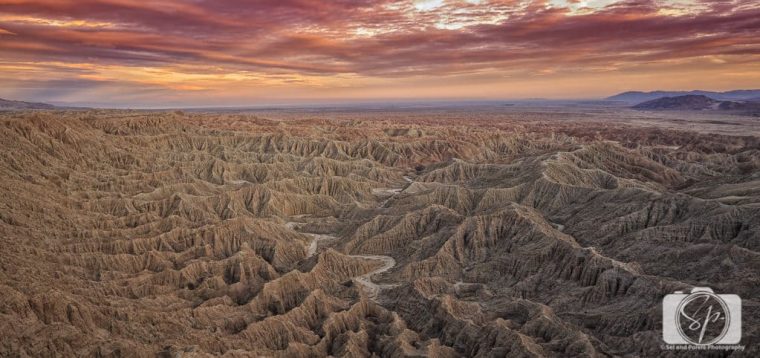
x=687 y=102
x=749 y=107
x=16 y=105
x=638 y=97
x=701 y=103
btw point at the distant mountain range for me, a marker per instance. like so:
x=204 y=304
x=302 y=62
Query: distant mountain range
x=634 y=97
x=691 y=102
x=6 y=104
x=687 y=102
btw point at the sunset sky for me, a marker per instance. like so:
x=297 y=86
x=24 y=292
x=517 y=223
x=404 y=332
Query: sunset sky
x=233 y=52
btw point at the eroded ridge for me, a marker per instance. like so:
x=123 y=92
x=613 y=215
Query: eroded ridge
x=136 y=234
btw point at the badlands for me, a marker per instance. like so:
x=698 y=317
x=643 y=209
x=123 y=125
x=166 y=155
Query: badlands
x=442 y=233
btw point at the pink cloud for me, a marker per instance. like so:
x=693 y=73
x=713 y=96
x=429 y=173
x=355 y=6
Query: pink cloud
x=388 y=38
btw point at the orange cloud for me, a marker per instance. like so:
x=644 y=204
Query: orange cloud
x=312 y=49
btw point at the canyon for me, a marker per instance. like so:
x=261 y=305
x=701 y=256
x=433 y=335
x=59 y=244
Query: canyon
x=429 y=232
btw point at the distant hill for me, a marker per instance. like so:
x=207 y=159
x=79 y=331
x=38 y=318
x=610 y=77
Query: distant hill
x=746 y=107
x=687 y=102
x=638 y=97
x=6 y=104
x=700 y=103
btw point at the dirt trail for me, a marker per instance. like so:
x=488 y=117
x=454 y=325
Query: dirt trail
x=372 y=289
x=316 y=238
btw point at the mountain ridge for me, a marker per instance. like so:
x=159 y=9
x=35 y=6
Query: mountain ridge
x=686 y=102
x=8 y=104
x=640 y=96
x=701 y=103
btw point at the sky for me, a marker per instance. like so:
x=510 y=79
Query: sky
x=172 y=53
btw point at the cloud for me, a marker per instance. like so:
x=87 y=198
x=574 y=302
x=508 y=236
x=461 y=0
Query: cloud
x=374 y=40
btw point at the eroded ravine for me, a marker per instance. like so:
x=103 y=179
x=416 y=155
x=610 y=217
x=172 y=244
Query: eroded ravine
x=167 y=233
x=372 y=289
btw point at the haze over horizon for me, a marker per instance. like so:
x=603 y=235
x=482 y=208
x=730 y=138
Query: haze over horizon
x=228 y=53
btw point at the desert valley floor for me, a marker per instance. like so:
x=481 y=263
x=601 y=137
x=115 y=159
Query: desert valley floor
x=390 y=233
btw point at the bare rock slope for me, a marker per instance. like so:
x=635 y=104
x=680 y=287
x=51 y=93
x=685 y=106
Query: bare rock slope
x=142 y=234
